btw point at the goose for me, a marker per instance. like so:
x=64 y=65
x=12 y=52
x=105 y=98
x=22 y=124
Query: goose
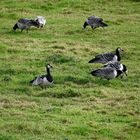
x=25 y=24
x=118 y=66
x=43 y=80
x=41 y=21
x=106 y=57
x=107 y=73
x=94 y=22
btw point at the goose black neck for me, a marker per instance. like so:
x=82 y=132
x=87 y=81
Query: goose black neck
x=119 y=72
x=85 y=24
x=15 y=27
x=48 y=71
x=118 y=54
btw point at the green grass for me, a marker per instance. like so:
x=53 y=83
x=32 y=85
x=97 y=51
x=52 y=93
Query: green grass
x=78 y=106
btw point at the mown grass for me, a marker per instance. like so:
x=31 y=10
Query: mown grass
x=77 y=106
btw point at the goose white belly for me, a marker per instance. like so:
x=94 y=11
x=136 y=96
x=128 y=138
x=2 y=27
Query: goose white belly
x=113 y=75
x=45 y=81
x=115 y=58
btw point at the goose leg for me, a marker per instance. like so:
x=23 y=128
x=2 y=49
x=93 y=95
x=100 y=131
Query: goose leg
x=27 y=30
x=93 y=27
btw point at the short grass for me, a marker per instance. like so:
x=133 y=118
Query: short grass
x=78 y=106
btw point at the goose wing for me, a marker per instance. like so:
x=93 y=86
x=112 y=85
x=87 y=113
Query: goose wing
x=94 y=20
x=106 y=56
x=107 y=73
x=24 y=20
x=117 y=65
x=37 y=81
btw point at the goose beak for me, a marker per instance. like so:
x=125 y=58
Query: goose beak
x=125 y=73
x=121 y=76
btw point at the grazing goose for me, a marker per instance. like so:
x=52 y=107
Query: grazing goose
x=43 y=80
x=118 y=66
x=106 y=57
x=41 y=21
x=25 y=23
x=94 y=22
x=107 y=73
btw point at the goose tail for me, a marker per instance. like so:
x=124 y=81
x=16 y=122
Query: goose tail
x=94 y=73
x=15 y=27
x=93 y=60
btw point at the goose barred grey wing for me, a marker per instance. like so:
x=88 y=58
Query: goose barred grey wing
x=24 y=20
x=37 y=81
x=117 y=65
x=93 y=20
x=108 y=73
x=109 y=56
x=104 y=58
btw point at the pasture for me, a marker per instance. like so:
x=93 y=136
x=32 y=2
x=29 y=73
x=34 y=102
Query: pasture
x=78 y=105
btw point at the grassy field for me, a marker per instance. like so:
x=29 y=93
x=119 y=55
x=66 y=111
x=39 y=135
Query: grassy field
x=78 y=106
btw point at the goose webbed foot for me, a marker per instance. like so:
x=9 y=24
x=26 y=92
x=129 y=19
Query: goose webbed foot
x=93 y=27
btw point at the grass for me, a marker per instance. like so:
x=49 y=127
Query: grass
x=78 y=106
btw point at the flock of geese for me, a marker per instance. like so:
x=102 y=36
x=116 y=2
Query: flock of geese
x=111 y=69
x=112 y=66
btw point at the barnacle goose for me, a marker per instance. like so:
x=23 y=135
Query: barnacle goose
x=107 y=73
x=94 y=22
x=41 y=21
x=25 y=24
x=106 y=57
x=43 y=80
x=118 y=66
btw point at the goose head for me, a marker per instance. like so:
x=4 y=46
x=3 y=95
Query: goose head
x=119 y=50
x=48 y=66
x=118 y=53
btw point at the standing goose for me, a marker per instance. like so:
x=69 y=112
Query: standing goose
x=118 y=66
x=41 y=21
x=94 y=22
x=25 y=24
x=43 y=80
x=107 y=73
x=106 y=57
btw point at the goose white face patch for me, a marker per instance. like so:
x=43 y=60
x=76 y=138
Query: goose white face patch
x=48 y=66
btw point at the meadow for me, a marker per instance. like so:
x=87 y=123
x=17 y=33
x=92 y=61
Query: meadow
x=78 y=105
